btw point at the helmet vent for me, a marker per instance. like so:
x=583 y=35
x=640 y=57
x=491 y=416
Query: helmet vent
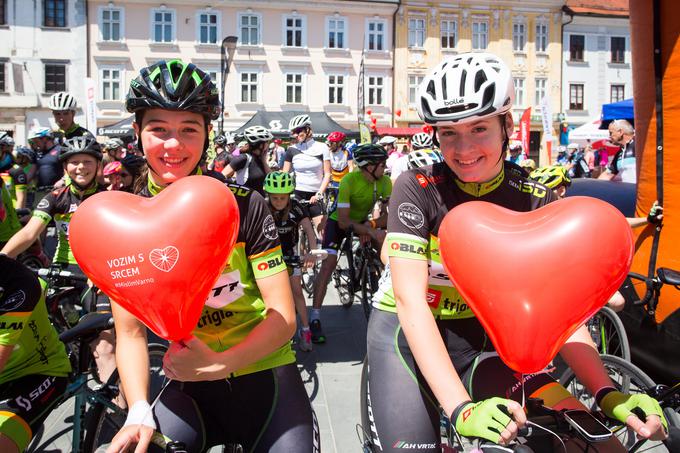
x=480 y=78
x=463 y=77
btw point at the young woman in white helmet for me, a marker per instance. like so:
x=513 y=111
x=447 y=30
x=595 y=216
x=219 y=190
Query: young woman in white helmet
x=311 y=162
x=426 y=349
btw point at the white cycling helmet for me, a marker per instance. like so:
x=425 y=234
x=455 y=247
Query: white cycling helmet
x=299 y=121
x=257 y=134
x=387 y=140
x=423 y=158
x=464 y=88
x=230 y=139
x=62 y=101
x=6 y=139
x=421 y=140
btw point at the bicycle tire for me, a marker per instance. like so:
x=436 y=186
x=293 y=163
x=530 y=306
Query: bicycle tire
x=627 y=378
x=343 y=280
x=609 y=334
x=31 y=261
x=102 y=424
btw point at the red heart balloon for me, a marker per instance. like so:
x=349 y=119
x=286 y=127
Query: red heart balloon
x=397 y=112
x=158 y=257
x=532 y=278
x=369 y=112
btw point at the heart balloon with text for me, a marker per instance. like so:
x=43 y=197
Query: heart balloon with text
x=533 y=278
x=158 y=257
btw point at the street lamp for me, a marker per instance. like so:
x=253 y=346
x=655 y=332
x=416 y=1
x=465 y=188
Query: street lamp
x=226 y=57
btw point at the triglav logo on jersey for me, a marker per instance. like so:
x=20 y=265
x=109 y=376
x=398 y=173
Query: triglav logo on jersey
x=13 y=301
x=269 y=228
x=164 y=259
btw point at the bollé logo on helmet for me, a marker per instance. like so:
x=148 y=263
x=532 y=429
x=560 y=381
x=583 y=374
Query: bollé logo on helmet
x=455 y=101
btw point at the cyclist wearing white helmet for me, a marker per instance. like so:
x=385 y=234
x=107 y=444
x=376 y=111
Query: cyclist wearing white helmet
x=64 y=106
x=250 y=167
x=390 y=144
x=423 y=158
x=426 y=349
x=419 y=141
x=311 y=162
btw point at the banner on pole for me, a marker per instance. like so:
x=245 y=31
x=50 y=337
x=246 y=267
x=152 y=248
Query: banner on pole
x=90 y=105
x=524 y=128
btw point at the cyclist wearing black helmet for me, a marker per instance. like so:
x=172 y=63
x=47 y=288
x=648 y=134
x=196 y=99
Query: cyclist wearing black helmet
x=236 y=380
x=358 y=192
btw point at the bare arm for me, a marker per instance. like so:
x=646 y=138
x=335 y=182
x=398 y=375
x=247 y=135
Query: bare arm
x=132 y=357
x=287 y=166
x=345 y=222
x=326 y=176
x=309 y=231
x=21 y=199
x=23 y=238
x=606 y=175
x=581 y=355
x=228 y=171
x=409 y=280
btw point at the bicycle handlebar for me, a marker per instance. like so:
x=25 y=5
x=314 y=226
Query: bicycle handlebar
x=53 y=272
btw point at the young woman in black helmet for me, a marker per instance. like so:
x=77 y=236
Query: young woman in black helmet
x=235 y=381
x=426 y=349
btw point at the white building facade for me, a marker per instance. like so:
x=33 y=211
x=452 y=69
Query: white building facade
x=290 y=55
x=43 y=50
x=596 y=64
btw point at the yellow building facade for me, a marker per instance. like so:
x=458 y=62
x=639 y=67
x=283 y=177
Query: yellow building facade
x=525 y=34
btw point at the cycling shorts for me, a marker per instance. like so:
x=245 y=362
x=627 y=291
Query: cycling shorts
x=315 y=209
x=25 y=403
x=332 y=237
x=265 y=411
x=403 y=409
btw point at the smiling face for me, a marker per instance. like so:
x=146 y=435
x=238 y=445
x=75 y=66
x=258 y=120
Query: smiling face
x=279 y=201
x=173 y=143
x=82 y=169
x=473 y=151
x=63 y=118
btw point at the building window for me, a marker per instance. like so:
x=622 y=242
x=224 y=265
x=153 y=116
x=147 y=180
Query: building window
x=541 y=37
x=449 y=32
x=294 y=88
x=480 y=35
x=540 y=90
x=336 y=89
x=110 y=81
x=375 y=90
x=375 y=36
x=249 y=83
x=519 y=36
x=617 y=93
x=111 y=24
x=519 y=91
x=3 y=88
x=55 y=77
x=335 y=33
x=618 y=49
x=163 y=25
x=414 y=82
x=3 y=12
x=208 y=25
x=294 y=29
x=249 y=25
x=576 y=96
x=416 y=32
x=54 y=13
x=576 y=46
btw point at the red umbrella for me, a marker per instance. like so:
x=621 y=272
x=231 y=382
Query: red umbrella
x=606 y=144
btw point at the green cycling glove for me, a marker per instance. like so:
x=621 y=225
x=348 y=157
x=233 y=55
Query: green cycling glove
x=485 y=419
x=619 y=406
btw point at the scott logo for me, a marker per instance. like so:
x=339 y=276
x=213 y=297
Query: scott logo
x=455 y=101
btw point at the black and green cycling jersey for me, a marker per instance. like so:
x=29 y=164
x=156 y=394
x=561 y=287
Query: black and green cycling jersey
x=25 y=326
x=359 y=194
x=59 y=205
x=17 y=181
x=421 y=199
x=9 y=222
x=235 y=305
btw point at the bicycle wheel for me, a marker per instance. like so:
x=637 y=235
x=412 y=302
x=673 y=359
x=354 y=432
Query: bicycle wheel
x=627 y=378
x=343 y=279
x=608 y=333
x=369 y=285
x=102 y=422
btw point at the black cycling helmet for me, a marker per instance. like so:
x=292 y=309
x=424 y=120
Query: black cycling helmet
x=174 y=85
x=369 y=153
x=85 y=144
x=133 y=163
x=220 y=140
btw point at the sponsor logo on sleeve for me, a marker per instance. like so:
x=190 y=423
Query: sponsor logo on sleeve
x=13 y=301
x=44 y=203
x=410 y=215
x=269 y=228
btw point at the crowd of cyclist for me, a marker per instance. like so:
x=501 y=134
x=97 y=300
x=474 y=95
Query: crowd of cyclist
x=421 y=355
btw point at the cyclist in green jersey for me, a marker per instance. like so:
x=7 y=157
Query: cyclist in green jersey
x=9 y=222
x=33 y=362
x=426 y=349
x=358 y=192
x=236 y=380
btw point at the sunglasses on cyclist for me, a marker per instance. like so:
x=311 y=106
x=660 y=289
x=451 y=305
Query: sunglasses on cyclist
x=298 y=130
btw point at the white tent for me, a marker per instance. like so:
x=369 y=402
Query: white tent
x=589 y=131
